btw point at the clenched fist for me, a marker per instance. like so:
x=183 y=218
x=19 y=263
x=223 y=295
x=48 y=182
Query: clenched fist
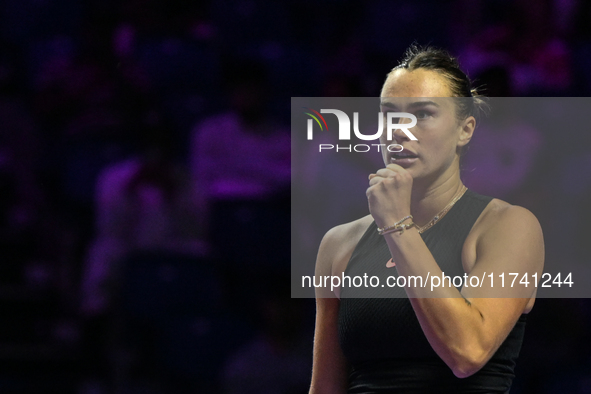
x=389 y=194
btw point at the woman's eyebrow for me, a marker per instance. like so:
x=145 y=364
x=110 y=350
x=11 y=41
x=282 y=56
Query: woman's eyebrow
x=423 y=104
x=387 y=104
x=416 y=104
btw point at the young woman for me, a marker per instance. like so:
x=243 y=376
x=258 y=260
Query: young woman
x=424 y=222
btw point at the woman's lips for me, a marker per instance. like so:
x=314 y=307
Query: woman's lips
x=403 y=161
x=404 y=157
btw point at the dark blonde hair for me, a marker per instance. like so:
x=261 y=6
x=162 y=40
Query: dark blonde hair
x=446 y=65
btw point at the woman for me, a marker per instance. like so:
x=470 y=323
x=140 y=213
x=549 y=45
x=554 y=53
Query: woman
x=423 y=221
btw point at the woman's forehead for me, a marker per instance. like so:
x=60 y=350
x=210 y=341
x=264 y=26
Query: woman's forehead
x=417 y=83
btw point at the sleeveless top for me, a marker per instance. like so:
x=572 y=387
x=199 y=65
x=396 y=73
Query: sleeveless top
x=381 y=336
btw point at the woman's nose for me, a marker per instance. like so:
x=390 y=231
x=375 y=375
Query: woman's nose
x=398 y=134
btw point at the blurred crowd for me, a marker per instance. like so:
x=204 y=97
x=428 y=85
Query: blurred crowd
x=145 y=178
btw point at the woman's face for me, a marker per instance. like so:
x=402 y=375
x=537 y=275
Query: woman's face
x=425 y=94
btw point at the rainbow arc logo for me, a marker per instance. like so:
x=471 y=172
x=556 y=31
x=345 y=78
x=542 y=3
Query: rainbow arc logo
x=316 y=118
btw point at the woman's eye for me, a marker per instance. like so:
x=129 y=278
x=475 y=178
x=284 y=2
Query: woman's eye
x=422 y=114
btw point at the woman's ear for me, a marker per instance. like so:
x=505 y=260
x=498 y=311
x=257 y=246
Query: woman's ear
x=467 y=130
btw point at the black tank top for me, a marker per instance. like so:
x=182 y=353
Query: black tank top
x=381 y=336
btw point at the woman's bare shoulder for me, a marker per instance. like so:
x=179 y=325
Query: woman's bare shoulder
x=338 y=244
x=501 y=224
x=501 y=213
x=348 y=232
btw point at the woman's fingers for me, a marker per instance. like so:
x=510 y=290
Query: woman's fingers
x=375 y=180
x=392 y=171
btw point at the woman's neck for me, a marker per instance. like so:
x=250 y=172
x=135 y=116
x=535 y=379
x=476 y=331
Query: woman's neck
x=428 y=201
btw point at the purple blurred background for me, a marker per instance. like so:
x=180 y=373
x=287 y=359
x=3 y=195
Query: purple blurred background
x=145 y=174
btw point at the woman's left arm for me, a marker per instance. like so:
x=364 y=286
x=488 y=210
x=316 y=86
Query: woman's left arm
x=465 y=329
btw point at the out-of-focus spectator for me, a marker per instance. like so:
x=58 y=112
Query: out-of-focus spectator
x=143 y=203
x=241 y=160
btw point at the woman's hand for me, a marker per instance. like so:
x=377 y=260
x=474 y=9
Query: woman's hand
x=389 y=194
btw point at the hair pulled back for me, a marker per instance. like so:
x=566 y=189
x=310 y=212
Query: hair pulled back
x=442 y=62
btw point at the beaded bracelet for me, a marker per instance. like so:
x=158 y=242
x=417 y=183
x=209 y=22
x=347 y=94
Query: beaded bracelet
x=398 y=226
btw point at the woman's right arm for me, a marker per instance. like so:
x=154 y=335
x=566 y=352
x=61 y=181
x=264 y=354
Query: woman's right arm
x=330 y=368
